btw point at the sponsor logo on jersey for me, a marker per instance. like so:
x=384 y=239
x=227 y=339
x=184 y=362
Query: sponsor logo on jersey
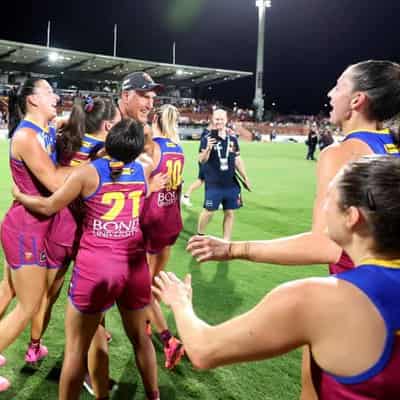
x=42 y=257
x=115 y=229
x=166 y=198
x=391 y=148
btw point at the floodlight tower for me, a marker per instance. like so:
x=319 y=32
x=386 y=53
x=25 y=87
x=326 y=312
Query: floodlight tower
x=262 y=6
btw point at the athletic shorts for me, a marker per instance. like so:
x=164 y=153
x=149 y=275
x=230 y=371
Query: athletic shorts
x=24 y=247
x=229 y=197
x=60 y=243
x=201 y=173
x=100 y=281
x=58 y=255
x=155 y=244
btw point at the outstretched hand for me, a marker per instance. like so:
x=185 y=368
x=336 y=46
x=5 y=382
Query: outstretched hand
x=171 y=290
x=207 y=248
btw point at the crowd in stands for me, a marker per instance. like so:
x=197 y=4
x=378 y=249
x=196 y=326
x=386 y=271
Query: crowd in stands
x=196 y=113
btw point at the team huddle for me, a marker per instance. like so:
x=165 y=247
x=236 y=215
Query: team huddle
x=98 y=188
x=103 y=190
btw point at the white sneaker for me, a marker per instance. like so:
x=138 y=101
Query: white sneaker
x=185 y=200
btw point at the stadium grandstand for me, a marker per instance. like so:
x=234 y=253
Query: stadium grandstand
x=78 y=73
x=75 y=73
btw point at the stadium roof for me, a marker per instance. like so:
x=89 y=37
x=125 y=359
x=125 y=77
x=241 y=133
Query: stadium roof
x=77 y=65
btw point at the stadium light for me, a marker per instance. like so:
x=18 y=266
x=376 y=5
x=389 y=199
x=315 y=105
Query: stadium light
x=53 y=57
x=263 y=3
x=258 y=102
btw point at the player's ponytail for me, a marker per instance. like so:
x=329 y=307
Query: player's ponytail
x=124 y=143
x=17 y=106
x=167 y=121
x=69 y=136
x=86 y=116
x=380 y=81
x=116 y=168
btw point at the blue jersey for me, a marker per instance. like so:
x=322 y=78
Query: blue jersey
x=379 y=280
x=89 y=147
x=22 y=176
x=216 y=171
x=46 y=137
x=380 y=142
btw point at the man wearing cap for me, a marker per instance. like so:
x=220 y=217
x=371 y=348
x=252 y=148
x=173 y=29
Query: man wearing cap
x=136 y=101
x=137 y=96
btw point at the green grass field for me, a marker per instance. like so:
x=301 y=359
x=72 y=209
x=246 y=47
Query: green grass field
x=280 y=204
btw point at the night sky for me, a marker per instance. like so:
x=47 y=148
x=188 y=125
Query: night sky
x=308 y=42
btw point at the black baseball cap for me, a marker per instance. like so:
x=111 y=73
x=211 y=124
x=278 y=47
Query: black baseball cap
x=140 y=81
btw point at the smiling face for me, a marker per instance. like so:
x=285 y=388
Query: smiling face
x=138 y=104
x=340 y=98
x=44 y=99
x=219 y=119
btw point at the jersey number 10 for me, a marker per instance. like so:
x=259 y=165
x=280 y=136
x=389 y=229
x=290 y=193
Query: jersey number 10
x=174 y=174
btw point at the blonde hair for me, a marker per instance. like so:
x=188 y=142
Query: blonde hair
x=167 y=121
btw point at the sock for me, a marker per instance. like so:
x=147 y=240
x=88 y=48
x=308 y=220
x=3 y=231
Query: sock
x=35 y=342
x=165 y=336
x=154 y=395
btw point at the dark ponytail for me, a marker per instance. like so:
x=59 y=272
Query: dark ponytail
x=124 y=143
x=86 y=117
x=380 y=80
x=17 y=103
x=69 y=138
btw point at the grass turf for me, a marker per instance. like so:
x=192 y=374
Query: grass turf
x=280 y=204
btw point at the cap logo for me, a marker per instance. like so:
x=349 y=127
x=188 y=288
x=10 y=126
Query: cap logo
x=147 y=77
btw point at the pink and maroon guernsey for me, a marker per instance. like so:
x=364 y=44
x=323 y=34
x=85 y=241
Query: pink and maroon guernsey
x=162 y=220
x=23 y=232
x=111 y=263
x=380 y=281
x=111 y=222
x=65 y=221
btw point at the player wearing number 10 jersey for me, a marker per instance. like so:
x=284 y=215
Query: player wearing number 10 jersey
x=111 y=262
x=162 y=221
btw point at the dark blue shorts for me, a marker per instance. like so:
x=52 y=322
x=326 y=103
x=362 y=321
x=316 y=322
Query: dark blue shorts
x=201 y=173
x=229 y=197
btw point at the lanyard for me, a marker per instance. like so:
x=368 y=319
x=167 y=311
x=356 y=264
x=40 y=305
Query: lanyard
x=227 y=149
